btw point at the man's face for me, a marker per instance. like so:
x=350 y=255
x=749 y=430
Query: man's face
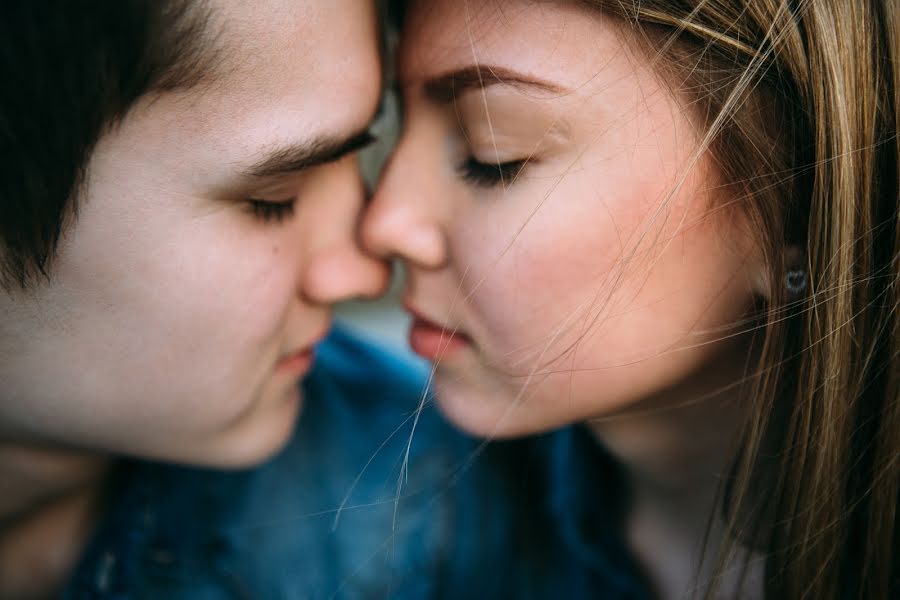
x=207 y=251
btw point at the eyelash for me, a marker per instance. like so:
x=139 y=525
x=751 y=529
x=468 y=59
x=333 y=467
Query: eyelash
x=277 y=212
x=272 y=212
x=490 y=174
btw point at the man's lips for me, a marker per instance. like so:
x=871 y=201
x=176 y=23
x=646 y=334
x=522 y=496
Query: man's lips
x=433 y=341
x=300 y=361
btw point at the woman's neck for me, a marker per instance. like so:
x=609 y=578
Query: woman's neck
x=47 y=512
x=677 y=449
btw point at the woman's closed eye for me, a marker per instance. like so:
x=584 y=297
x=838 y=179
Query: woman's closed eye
x=490 y=174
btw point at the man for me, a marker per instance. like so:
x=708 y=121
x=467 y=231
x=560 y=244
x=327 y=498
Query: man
x=179 y=202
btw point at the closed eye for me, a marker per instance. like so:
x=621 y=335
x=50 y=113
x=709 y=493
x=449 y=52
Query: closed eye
x=490 y=174
x=272 y=212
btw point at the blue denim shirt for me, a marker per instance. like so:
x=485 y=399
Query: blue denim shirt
x=344 y=512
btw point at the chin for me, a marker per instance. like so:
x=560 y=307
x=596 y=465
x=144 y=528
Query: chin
x=254 y=438
x=500 y=412
x=489 y=416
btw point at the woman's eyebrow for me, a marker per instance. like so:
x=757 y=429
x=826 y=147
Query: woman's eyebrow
x=446 y=88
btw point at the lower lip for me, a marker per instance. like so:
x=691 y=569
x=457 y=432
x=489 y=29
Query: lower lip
x=434 y=343
x=297 y=364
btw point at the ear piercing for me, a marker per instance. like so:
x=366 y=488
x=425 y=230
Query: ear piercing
x=795 y=281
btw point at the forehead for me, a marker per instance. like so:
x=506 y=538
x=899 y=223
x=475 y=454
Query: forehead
x=287 y=72
x=306 y=64
x=297 y=41
x=526 y=35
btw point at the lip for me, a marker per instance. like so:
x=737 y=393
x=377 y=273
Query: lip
x=432 y=341
x=300 y=361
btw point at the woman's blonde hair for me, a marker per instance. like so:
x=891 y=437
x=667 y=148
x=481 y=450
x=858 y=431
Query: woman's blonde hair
x=799 y=101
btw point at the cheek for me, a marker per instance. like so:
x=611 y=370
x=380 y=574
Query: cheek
x=537 y=266
x=626 y=277
x=211 y=294
x=229 y=301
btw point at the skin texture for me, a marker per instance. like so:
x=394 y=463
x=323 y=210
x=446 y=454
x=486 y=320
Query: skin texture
x=599 y=279
x=171 y=303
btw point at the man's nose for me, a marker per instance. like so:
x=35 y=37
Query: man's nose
x=342 y=272
x=338 y=268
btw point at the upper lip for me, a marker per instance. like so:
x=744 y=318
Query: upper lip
x=418 y=314
x=307 y=346
x=448 y=327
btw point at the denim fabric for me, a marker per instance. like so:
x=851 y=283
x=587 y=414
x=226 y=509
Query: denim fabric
x=352 y=508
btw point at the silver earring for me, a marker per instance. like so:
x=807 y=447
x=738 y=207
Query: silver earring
x=795 y=281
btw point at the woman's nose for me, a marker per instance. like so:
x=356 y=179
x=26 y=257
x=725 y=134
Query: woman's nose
x=403 y=219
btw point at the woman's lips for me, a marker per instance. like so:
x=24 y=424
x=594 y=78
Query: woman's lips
x=433 y=342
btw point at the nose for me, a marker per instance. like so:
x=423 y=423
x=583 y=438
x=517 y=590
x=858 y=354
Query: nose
x=403 y=219
x=338 y=269
x=342 y=273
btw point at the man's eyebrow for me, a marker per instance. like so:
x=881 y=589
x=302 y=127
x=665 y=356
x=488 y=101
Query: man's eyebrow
x=446 y=88
x=304 y=155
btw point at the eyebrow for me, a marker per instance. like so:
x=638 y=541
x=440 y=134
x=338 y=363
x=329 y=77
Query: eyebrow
x=444 y=89
x=299 y=156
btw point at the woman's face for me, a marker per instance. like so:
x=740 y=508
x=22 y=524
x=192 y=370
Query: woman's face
x=189 y=292
x=598 y=267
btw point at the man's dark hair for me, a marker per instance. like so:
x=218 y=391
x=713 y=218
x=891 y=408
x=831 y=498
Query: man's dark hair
x=70 y=70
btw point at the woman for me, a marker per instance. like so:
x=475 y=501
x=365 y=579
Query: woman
x=676 y=225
